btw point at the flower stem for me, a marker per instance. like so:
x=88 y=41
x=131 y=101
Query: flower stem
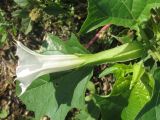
x=97 y=36
x=121 y=53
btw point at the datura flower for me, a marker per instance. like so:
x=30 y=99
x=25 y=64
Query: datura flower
x=32 y=65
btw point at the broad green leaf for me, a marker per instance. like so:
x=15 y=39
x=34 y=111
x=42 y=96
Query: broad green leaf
x=26 y=25
x=128 y=13
x=118 y=69
x=4 y=112
x=22 y=3
x=3 y=39
x=124 y=39
x=75 y=45
x=139 y=96
x=21 y=13
x=91 y=89
x=120 y=86
x=29 y=28
x=108 y=71
x=54 y=97
x=152 y=110
x=122 y=78
x=111 y=107
x=91 y=112
x=138 y=71
x=54 y=45
x=83 y=115
x=40 y=97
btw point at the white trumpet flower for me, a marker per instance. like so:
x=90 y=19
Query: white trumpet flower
x=32 y=65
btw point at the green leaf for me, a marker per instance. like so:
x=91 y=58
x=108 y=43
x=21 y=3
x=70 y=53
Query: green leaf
x=29 y=28
x=54 y=45
x=75 y=45
x=83 y=115
x=91 y=112
x=26 y=25
x=138 y=71
x=91 y=89
x=121 y=86
x=3 y=39
x=21 y=13
x=139 y=96
x=55 y=96
x=152 y=110
x=108 y=71
x=22 y=3
x=111 y=107
x=128 y=13
x=121 y=72
x=40 y=97
x=125 y=38
x=4 y=112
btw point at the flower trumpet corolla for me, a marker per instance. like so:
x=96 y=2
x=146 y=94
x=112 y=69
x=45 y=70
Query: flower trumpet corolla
x=32 y=65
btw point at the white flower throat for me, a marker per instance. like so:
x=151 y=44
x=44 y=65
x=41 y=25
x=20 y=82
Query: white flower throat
x=32 y=65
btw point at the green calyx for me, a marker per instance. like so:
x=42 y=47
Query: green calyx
x=126 y=52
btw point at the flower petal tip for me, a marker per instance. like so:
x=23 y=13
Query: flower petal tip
x=23 y=89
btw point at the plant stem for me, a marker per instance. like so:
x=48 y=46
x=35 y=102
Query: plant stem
x=126 y=52
x=97 y=36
